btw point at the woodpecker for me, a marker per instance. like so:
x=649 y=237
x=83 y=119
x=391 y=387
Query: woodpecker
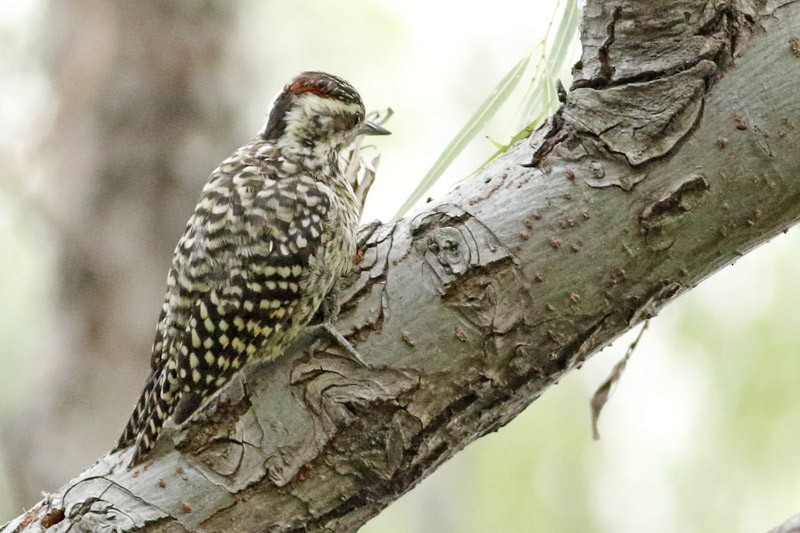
x=273 y=231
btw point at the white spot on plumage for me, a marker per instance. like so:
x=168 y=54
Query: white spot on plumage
x=237 y=345
x=195 y=339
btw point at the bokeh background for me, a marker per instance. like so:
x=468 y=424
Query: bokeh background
x=112 y=114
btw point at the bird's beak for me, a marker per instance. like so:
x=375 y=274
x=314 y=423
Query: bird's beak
x=370 y=128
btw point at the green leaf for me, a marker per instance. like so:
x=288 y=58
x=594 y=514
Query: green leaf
x=539 y=101
x=476 y=122
x=565 y=35
x=541 y=98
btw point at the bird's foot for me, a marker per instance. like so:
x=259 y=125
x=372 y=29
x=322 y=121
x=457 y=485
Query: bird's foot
x=326 y=329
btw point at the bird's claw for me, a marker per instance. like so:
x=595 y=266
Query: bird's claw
x=327 y=329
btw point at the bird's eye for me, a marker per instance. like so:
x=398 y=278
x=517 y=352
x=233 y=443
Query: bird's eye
x=350 y=120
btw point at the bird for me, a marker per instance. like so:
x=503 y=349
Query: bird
x=274 y=229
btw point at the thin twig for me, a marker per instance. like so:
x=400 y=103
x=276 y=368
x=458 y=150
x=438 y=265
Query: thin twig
x=603 y=392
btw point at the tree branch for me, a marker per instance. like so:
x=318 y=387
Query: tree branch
x=674 y=154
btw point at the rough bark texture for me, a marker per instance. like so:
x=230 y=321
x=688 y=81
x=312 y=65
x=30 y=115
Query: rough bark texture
x=131 y=145
x=674 y=154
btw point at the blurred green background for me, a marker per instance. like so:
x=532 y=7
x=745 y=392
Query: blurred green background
x=112 y=114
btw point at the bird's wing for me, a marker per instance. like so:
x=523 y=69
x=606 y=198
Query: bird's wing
x=253 y=307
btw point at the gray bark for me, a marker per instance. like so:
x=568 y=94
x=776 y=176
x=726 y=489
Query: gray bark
x=674 y=154
x=792 y=525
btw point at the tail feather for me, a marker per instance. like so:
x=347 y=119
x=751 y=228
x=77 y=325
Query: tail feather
x=128 y=436
x=149 y=415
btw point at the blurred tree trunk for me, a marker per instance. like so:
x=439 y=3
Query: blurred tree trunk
x=145 y=111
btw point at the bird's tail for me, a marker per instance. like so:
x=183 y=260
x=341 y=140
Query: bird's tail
x=128 y=436
x=148 y=417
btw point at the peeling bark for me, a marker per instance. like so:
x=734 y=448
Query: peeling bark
x=674 y=154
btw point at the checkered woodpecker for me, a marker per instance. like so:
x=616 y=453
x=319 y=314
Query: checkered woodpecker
x=273 y=230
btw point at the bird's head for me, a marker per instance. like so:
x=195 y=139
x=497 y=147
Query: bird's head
x=316 y=114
